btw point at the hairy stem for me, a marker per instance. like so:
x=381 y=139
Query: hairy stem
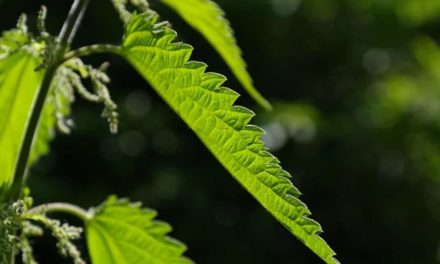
x=92 y=49
x=13 y=254
x=61 y=208
x=73 y=21
x=63 y=42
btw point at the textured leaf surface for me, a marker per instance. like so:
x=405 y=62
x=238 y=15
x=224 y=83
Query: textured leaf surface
x=124 y=233
x=207 y=108
x=209 y=19
x=19 y=84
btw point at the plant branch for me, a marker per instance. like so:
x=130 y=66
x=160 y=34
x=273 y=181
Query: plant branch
x=64 y=39
x=60 y=208
x=92 y=49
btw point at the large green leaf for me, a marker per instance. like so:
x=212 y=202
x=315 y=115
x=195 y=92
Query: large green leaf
x=19 y=84
x=123 y=233
x=209 y=19
x=208 y=109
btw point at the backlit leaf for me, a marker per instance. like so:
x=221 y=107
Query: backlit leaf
x=208 y=108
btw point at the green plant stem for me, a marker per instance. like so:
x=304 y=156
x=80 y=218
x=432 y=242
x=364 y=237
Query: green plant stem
x=64 y=40
x=61 y=208
x=13 y=254
x=92 y=49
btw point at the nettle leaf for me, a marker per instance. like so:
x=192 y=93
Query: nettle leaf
x=124 y=233
x=208 y=108
x=19 y=85
x=209 y=19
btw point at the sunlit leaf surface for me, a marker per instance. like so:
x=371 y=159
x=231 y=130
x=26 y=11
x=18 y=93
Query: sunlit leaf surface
x=121 y=232
x=209 y=19
x=208 y=108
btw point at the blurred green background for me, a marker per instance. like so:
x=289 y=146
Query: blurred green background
x=356 y=90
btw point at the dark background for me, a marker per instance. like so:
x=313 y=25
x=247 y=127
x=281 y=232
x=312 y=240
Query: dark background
x=356 y=91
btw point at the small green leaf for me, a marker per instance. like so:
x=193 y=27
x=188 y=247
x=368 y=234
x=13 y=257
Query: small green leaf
x=208 y=108
x=121 y=232
x=209 y=19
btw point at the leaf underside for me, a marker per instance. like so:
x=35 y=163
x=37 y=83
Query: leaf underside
x=208 y=108
x=209 y=19
x=124 y=233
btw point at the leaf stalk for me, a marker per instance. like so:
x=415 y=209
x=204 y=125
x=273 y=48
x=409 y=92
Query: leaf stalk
x=92 y=49
x=61 y=208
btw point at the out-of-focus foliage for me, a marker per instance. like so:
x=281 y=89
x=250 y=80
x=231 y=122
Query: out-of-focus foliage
x=409 y=12
x=290 y=121
x=411 y=96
